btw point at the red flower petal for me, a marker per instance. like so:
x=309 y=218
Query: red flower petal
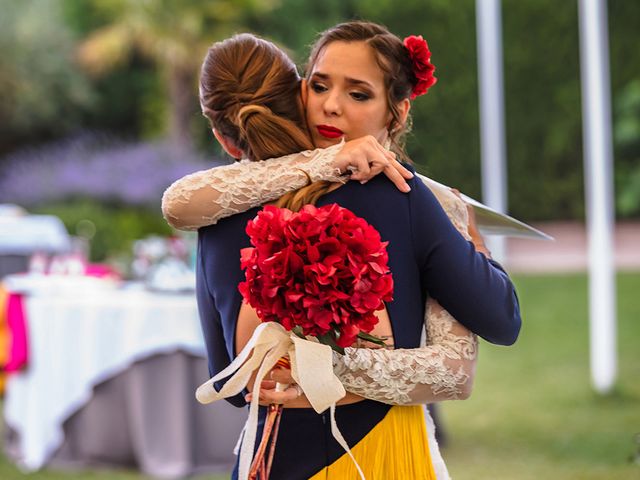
x=321 y=268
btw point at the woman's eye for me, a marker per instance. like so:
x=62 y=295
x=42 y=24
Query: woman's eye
x=360 y=96
x=318 y=87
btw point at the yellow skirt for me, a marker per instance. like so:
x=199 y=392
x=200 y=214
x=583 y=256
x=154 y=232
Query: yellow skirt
x=395 y=449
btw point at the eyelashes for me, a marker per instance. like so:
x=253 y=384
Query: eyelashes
x=318 y=87
x=358 y=96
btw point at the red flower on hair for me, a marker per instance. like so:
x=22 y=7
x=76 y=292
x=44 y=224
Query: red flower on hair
x=422 y=67
x=322 y=269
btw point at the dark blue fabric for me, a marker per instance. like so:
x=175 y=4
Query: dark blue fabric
x=427 y=256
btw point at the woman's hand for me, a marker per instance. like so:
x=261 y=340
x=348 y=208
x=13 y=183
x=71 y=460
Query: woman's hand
x=269 y=394
x=365 y=158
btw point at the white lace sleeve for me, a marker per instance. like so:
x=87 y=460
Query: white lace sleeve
x=443 y=369
x=205 y=197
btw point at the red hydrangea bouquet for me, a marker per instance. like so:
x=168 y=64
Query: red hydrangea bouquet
x=321 y=272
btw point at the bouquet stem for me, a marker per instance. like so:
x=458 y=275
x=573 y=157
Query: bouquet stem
x=261 y=466
x=276 y=428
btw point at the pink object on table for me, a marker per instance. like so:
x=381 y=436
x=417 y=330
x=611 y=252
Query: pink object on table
x=17 y=323
x=100 y=270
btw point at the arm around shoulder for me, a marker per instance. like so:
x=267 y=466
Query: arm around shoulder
x=468 y=285
x=203 y=198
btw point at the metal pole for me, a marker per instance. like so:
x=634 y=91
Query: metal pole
x=596 y=133
x=491 y=90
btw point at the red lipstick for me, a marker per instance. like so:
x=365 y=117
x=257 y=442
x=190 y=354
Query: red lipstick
x=328 y=131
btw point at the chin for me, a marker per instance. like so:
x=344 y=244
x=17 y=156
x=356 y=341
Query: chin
x=323 y=142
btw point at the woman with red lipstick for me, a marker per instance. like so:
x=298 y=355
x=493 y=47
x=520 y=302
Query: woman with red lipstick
x=427 y=256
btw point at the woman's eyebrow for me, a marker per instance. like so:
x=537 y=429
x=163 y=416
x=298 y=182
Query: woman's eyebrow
x=349 y=80
x=319 y=75
x=355 y=81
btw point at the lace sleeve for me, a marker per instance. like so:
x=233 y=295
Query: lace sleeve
x=452 y=205
x=443 y=369
x=205 y=197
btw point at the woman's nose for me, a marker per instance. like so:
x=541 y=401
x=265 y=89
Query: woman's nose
x=332 y=103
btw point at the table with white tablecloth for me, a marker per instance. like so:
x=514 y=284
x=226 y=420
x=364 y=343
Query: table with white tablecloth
x=115 y=368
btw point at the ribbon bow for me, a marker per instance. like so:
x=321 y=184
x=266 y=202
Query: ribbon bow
x=311 y=368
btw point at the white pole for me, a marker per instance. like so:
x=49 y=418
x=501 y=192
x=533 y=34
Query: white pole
x=491 y=90
x=596 y=133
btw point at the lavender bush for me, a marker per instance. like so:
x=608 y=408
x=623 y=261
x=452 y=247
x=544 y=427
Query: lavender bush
x=95 y=167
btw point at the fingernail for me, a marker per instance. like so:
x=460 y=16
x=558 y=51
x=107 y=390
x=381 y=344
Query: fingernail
x=362 y=182
x=406 y=188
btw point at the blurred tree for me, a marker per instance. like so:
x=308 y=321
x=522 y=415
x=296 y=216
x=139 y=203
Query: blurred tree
x=42 y=91
x=131 y=39
x=174 y=35
x=627 y=142
x=624 y=18
x=294 y=23
x=543 y=109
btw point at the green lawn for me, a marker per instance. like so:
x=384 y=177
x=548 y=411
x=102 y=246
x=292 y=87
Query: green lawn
x=533 y=414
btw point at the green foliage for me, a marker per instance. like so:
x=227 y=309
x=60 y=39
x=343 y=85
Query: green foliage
x=130 y=99
x=42 y=91
x=542 y=89
x=173 y=36
x=116 y=226
x=542 y=82
x=310 y=18
x=628 y=200
x=627 y=139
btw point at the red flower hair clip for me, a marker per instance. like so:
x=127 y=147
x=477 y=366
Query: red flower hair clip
x=422 y=67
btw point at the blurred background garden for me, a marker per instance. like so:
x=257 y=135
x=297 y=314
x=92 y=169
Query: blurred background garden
x=99 y=114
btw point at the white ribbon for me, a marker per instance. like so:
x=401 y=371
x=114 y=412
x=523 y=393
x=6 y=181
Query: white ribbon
x=311 y=368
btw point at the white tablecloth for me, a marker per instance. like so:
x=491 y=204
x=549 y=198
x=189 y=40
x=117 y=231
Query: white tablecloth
x=79 y=337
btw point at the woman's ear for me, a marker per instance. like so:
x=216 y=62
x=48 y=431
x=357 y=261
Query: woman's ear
x=227 y=144
x=403 y=112
x=403 y=108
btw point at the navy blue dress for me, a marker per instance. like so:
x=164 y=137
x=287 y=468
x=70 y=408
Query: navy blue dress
x=427 y=257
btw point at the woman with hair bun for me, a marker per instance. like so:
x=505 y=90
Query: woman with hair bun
x=360 y=82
